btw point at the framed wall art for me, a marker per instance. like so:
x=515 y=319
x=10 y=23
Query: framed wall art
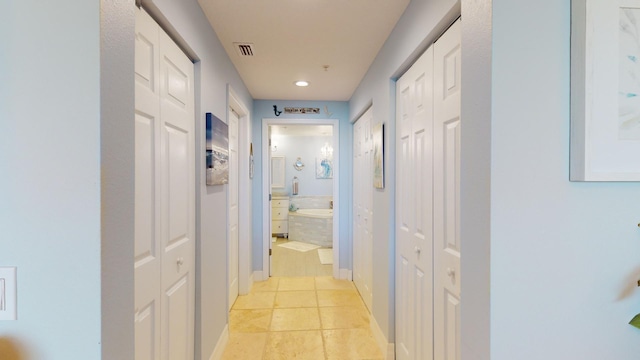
x=605 y=90
x=217 y=151
x=378 y=156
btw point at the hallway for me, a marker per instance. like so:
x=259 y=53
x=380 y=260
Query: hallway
x=301 y=318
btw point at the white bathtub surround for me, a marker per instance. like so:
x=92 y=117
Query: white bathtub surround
x=314 y=226
x=312 y=202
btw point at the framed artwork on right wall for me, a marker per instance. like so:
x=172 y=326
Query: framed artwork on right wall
x=378 y=156
x=605 y=90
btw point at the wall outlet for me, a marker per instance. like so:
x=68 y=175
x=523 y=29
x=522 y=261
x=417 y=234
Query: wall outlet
x=8 y=294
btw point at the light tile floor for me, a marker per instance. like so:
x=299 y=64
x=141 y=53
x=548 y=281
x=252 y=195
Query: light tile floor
x=301 y=318
x=288 y=262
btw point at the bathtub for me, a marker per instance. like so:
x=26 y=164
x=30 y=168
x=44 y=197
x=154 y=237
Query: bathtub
x=313 y=226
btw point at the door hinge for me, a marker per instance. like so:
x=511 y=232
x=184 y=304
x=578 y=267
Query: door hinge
x=269 y=197
x=270 y=251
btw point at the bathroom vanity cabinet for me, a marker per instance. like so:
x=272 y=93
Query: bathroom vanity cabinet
x=280 y=216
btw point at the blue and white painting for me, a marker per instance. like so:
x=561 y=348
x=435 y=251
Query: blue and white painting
x=324 y=168
x=217 y=163
x=629 y=75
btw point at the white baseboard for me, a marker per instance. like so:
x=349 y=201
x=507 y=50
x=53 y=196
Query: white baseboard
x=346 y=274
x=221 y=344
x=388 y=349
x=258 y=276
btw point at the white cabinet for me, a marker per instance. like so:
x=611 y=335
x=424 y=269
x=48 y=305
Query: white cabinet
x=280 y=215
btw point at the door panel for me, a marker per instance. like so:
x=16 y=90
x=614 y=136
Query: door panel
x=363 y=207
x=164 y=196
x=178 y=160
x=233 y=207
x=177 y=299
x=447 y=189
x=147 y=259
x=414 y=216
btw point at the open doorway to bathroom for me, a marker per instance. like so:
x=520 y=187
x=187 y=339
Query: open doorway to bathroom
x=302 y=178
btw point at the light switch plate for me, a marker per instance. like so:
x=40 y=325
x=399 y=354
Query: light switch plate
x=8 y=294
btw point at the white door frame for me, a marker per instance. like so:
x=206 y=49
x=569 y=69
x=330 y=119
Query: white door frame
x=266 y=218
x=244 y=192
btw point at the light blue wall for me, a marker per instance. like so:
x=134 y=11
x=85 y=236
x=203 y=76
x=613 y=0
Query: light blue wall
x=563 y=254
x=50 y=188
x=308 y=149
x=214 y=72
x=419 y=25
x=263 y=109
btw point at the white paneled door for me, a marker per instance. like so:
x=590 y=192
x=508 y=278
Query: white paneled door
x=414 y=184
x=446 y=194
x=363 y=207
x=427 y=204
x=233 y=207
x=164 y=196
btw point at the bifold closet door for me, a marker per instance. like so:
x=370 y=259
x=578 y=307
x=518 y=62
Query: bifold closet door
x=446 y=191
x=363 y=207
x=414 y=199
x=427 y=204
x=164 y=255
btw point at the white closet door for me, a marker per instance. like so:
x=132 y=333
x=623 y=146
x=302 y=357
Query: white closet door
x=178 y=200
x=447 y=190
x=233 y=207
x=414 y=184
x=147 y=253
x=164 y=196
x=363 y=207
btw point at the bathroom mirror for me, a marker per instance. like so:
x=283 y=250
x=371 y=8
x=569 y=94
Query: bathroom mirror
x=298 y=164
x=277 y=171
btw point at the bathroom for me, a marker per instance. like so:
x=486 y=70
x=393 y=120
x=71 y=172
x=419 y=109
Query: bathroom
x=302 y=199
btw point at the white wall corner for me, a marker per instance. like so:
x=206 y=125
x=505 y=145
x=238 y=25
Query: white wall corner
x=221 y=344
x=388 y=349
x=346 y=274
x=258 y=275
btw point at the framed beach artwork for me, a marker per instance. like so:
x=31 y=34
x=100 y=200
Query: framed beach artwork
x=605 y=90
x=324 y=168
x=378 y=156
x=217 y=148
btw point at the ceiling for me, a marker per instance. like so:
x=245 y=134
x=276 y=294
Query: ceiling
x=295 y=39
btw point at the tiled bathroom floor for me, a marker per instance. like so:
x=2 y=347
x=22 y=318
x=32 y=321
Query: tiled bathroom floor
x=301 y=318
x=287 y=262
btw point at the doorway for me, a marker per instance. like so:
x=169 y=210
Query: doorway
x=300 y=176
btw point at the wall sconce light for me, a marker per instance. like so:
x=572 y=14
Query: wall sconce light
x=326 y=151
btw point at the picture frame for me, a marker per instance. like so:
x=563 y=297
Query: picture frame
x=251 y=164
x=378 y=156
x=217 y=151
x=605 y=96
x=324 y=168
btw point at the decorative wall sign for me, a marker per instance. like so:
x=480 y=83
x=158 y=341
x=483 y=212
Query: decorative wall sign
x=294 y=110
x=217 y=151
x=605 y=90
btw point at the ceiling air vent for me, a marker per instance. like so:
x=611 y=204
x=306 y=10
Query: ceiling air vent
x=244 y=49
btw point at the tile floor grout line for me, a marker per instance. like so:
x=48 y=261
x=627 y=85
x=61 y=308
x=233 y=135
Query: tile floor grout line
x=324 y=343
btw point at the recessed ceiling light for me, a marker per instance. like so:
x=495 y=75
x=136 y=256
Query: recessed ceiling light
x=302 y=83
